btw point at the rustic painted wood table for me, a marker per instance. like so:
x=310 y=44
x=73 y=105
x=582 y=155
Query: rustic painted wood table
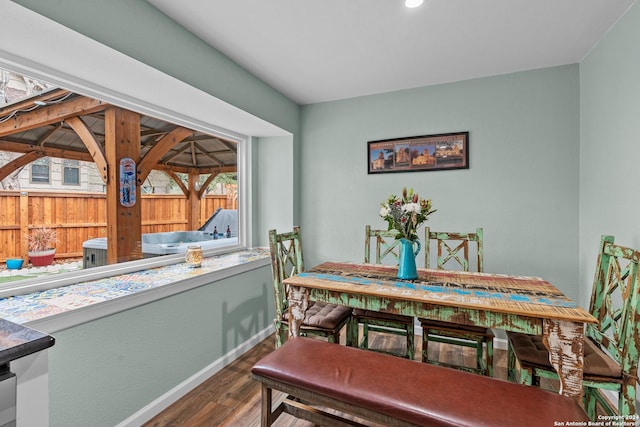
x=514 y=303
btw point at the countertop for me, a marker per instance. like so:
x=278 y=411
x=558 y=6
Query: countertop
x=17 y=341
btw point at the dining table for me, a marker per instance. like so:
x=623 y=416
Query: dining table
x=524 y=304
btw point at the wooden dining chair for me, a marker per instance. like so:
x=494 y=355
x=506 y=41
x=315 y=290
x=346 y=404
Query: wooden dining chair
x=386 y=246
x=321 y=319
x=453 y=254
x=610 y=346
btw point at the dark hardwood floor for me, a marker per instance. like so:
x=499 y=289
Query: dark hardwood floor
x=231 y=398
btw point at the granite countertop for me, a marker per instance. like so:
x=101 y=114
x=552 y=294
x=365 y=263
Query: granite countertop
x=17 y=341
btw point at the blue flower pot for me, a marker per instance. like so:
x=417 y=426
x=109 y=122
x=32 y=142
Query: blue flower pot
x=14 y=263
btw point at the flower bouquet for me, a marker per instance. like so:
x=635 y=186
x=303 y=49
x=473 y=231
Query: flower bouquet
x=406 y=214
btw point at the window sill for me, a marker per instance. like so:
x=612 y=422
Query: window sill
x=59 y=308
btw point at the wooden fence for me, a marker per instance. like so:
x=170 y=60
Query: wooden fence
x=82 y=216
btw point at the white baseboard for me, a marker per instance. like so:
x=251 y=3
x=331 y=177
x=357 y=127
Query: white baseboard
x=173 y=395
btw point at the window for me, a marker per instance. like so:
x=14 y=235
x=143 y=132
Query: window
x=117 y=83
x=221 y=226
x=40 y=170
x=71 y=172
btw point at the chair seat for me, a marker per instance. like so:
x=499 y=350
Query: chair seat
x=531 y=350
x=462 y=335
x=435 y=324
x=322 y=315
x=358 y=312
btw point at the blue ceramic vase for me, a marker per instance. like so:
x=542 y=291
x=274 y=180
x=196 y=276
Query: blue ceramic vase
x=407 y=262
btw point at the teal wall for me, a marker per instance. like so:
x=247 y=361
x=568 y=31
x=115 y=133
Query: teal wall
x=104 y=371
x=274 y=176
x=522 y=184
x=610 y=143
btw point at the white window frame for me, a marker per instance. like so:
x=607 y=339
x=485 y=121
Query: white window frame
x=76 y=167
x=36 y=163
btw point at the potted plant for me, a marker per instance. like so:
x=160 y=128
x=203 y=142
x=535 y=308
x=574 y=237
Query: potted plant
x=41 y=244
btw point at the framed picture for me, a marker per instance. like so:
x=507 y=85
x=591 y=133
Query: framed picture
x=419 y=153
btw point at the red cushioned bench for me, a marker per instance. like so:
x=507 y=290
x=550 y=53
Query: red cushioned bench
x=397 y=392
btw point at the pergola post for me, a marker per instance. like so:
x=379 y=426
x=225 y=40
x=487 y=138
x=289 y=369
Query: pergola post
x=193 y=198
x=124 y=214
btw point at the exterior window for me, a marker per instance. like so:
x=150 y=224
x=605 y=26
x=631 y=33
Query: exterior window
x=40 y=170
x=222 y=226
x=71 y=172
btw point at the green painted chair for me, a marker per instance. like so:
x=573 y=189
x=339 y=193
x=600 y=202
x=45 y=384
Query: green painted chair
x=610 y=346
x=453 y=254
x=321 y=319
x=374 y=321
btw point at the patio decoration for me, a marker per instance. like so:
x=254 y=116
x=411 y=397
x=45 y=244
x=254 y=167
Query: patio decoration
x=193 y=256
x=41 y=244
x=14 y=263
x=405 y=215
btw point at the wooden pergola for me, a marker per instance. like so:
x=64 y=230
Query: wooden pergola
x=62 y=124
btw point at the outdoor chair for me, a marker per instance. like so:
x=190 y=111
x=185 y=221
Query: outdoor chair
x=374 y=321
x=453 y=254
x=325 y=320
x=610 y=346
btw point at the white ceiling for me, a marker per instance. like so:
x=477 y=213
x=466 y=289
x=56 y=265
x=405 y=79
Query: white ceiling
x=322 y=50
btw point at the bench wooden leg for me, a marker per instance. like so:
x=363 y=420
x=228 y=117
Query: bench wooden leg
x=490 y=357
x=266 y=419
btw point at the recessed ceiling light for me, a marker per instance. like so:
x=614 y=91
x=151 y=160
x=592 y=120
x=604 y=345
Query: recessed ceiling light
x=413 y=3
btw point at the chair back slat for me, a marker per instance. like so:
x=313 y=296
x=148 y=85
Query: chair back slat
x=615 y=303
x=453 y=249
x=286 y=260
x=386 y=245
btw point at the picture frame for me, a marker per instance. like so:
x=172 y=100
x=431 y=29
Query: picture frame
x=419 y=153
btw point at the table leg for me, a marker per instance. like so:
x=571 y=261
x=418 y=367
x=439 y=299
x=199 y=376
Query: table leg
x=298 y=303
x=565 y=342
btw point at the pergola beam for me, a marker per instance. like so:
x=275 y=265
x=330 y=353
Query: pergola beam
x=28 y=103
x=177 y=180
x=17 y=147
x=154 y=155
x=92 y=144
x=16 y=164
x=204 y=152
x=49 y=114
x=206 y=183
x=203 y=171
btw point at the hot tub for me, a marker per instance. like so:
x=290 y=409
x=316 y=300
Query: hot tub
x=156 y=244
x=224 y=222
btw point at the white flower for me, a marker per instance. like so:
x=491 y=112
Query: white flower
x=405 y=214
x=411 y=207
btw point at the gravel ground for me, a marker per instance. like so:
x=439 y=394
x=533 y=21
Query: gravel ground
x=29 y=270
